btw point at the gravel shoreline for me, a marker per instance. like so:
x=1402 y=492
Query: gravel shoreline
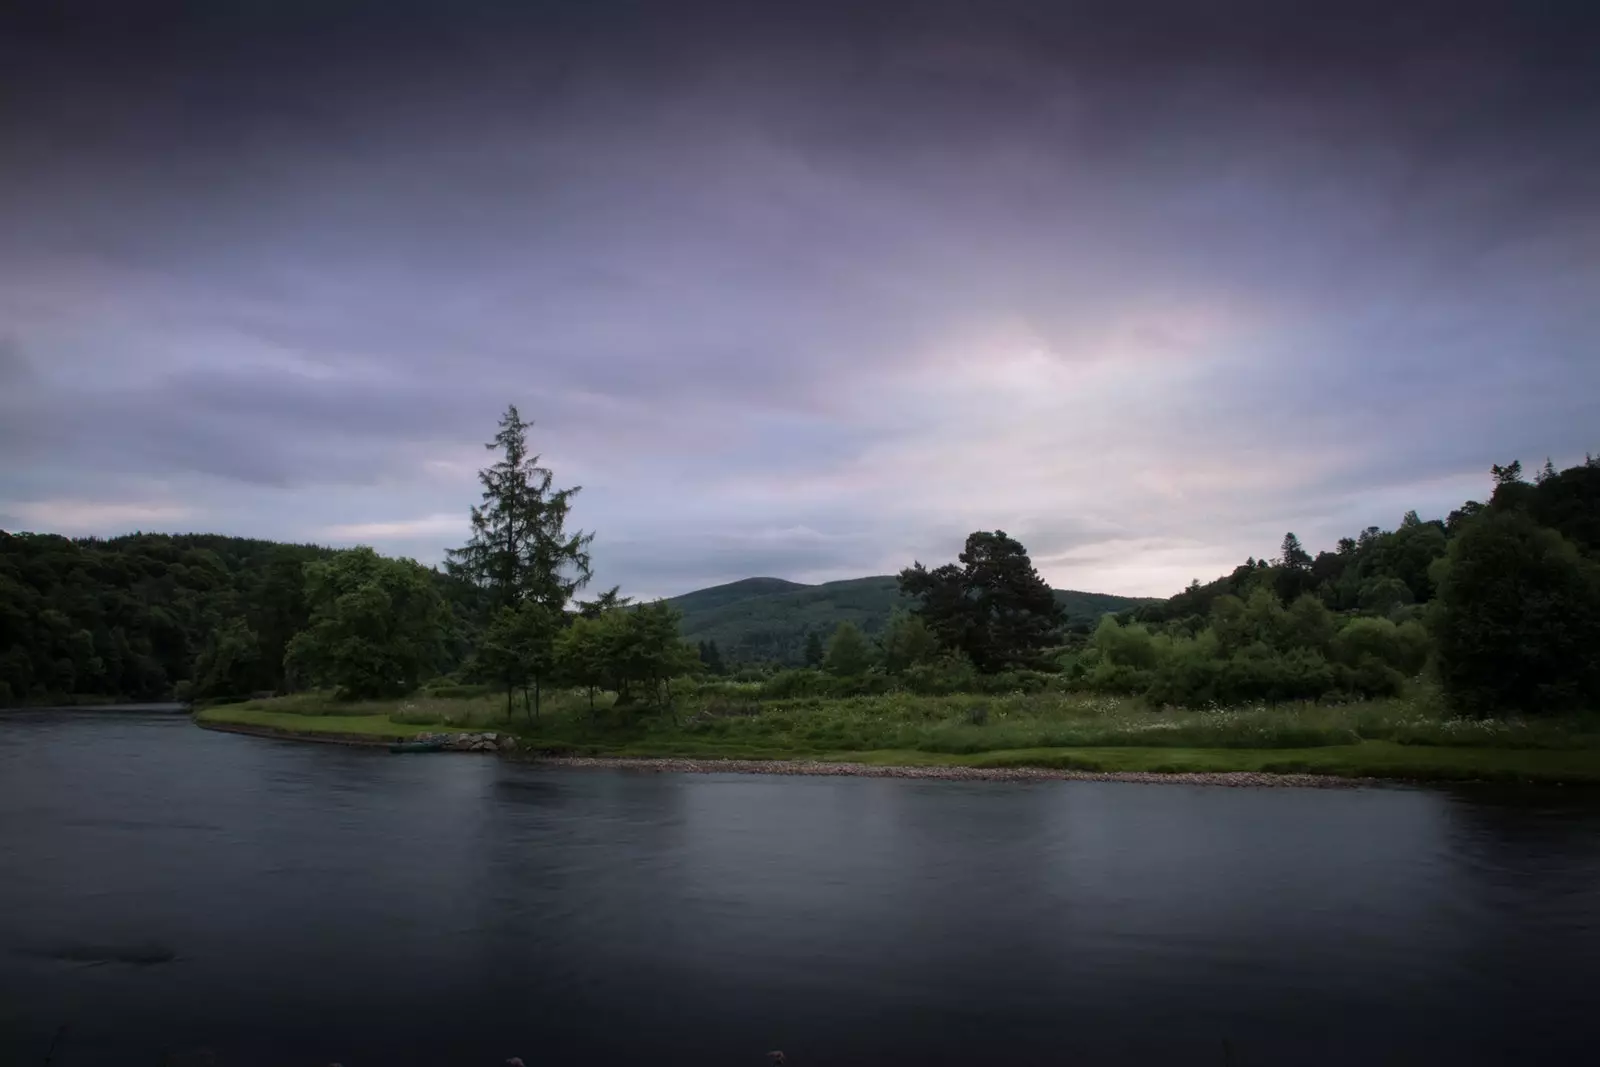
x=1236 y=779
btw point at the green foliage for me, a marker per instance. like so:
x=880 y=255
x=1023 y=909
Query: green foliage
x=906 y=642
x=1403 y=648
x=583 y=651
x=228 y=664
x=517 y=651
x=1518 y=619
x=848 y=654
x=994 y=607
x=520 y=549
x=148 y=603
x=1124 y=646
x=711 y=658
x=377 y=625
x=815 y=652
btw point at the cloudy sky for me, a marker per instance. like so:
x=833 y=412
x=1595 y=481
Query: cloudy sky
x=805 y=291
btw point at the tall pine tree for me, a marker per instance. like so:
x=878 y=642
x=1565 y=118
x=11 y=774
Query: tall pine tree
x=523 y=561
x=520 y=549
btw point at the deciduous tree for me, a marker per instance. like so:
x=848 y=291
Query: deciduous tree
x=377 y=625
x=1517 y=620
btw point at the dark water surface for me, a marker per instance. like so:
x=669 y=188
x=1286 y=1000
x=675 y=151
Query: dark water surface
x=165 y=890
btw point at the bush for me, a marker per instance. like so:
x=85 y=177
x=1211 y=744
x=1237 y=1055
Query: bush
x=1403 y=648
x=1125 y=646
x=451 y=691
x=804 y=682
x=945 y=675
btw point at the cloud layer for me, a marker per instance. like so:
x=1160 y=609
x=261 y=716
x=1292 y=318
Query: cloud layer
x=807 y=294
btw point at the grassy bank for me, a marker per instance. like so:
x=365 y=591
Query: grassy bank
x=1404 y=739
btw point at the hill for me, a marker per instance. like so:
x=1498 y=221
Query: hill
x=767 y=619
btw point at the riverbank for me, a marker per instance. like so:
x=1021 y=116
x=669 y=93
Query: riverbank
x=1301 y=747
x=948 y=772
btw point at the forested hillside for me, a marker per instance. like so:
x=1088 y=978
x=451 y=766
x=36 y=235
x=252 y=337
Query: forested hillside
x=129 y=616
x=768 y=620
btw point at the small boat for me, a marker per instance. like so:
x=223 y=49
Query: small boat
x=417 y=746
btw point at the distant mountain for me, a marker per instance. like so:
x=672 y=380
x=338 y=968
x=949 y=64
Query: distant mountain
x=767 y=619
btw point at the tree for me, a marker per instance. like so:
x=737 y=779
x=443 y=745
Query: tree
x=1546 y=472
x=228 y=663
x=906 y=641
x=1517 y=621
x=994 y=606
x=520 y=548
x=517 y=650
x=1509 y=474
x=606 y=601
x=814 y=649
x=377 y=625
x=646 y=650
x=1292 y=555
x=582 y=654
x=711 y=657
x=849 y=654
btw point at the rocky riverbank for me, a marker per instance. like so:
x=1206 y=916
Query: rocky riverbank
x=989 y=774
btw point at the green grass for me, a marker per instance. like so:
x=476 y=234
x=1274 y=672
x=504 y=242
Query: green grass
x=365 y=725
x=1404 y=739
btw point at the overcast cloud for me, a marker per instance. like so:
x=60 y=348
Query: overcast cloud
x=807 y=294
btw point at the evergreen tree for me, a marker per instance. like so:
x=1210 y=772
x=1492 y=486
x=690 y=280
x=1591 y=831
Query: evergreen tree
x=814 y=650
x=1509 y=474
x=849 y=654
x=1292 y=554
x=520 y=548
x=993 y=606
x=521 y=554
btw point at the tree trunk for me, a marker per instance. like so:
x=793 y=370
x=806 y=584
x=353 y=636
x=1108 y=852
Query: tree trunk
x=510 y=707
x=536 y=695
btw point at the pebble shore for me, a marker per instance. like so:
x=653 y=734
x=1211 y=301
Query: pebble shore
x=1236 y=779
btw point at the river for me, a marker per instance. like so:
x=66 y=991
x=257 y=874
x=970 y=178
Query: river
x=169 y=894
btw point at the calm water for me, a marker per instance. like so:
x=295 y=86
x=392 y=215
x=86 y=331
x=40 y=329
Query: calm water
x=328 y=904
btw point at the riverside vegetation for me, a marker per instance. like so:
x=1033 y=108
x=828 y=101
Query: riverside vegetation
x=1467 y=647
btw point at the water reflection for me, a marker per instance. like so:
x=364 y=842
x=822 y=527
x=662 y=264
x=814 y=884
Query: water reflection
x=329 y=904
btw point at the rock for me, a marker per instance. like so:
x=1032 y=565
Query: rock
x=507 y=744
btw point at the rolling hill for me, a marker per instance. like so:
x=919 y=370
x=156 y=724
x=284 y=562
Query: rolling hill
x=767 y=619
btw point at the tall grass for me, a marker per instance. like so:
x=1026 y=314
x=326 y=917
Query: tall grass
x=729 y=717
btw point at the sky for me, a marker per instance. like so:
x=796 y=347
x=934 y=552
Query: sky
x=808 y=291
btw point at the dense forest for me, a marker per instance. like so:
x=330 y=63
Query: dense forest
x=1501 y=598
x=1497 y=604
x=131 y=616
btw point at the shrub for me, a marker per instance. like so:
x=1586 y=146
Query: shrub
x=1404 y=647
x=804 y=682
x=453 y=691
x=1124 y=646
x=947 y=674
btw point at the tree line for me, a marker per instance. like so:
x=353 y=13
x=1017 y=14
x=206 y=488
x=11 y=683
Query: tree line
x=1499 y=602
